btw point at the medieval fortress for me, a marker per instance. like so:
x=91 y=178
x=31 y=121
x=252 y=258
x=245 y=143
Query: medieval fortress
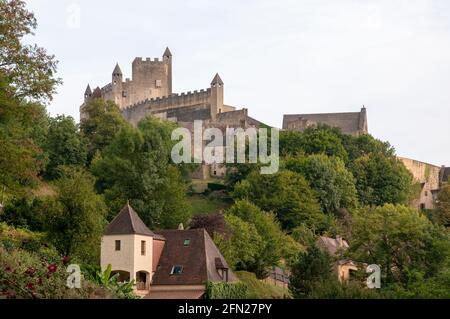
x=149 y=92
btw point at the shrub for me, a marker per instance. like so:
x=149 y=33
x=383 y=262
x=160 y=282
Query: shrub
x=226 y=290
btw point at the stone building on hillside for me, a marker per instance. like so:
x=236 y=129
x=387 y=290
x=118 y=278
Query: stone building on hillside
x=429 y=177
x=354 y=123
x=344 y=268
x=170 y=264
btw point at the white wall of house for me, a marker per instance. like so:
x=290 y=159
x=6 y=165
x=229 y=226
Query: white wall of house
x=129 y=258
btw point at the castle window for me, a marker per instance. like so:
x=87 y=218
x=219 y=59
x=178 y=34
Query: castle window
x=187 y=242
x=118 y=245
x=426 y=193
x=177 y=270
x=158 y=83
x=143 y=247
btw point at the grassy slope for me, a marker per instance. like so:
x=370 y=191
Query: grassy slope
x=202 y=205
x=261 y=290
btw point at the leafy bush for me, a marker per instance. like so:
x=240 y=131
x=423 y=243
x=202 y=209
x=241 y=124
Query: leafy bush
x=258 y=289
x=26 y=275
x=111 y=282
x=226 y=290
x=216 y=186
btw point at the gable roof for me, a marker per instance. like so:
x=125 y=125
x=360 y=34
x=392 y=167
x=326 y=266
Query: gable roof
x=349 y=122
x=126 y=223
x=199 y=259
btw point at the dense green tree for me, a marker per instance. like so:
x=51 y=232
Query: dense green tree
x=287 y=194
x=401 y=240
x=319 y=139
x=366 y=144
x=75 y=217
x=64 y=145
x=441 y=214
x=22 y=128
x=135 y=167
x=381 y=179
x=24 y=212
x=240 y=243
x=312 y=268
x=29 y=68
x=102 y=123
x=329 y=178
x=276 y=244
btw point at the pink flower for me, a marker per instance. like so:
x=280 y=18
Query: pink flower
x=65 y=260
x=30 y=286
x=40 y=281
x=52 y=268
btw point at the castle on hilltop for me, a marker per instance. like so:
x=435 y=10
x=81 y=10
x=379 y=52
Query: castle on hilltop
x=149 y=92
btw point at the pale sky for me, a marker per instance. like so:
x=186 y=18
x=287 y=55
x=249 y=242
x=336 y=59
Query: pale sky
x=275 y=56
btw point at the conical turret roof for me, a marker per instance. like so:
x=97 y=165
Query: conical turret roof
x=128 y=222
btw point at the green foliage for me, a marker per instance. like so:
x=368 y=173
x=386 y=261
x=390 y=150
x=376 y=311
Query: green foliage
x=216 y=186
x=441 y=215
x=399 y=239
x=241 y=244
x=76 y=215
x=135 y=167
x=364 y=145
x=64 y=145
x=329 y=178
x=110 y=282
x=314 y=140
x=100 y=126
x=258 y=289
x=303 y=235
x=29 y=68
x=275 y=243
x=223 y=290
x=287 y=194
x=333 y=289
x=22 y=129
x=18 y=238
x=31 y=275
x=24 y=212
x=312 y=268
x=381 y=179
x=203 y=205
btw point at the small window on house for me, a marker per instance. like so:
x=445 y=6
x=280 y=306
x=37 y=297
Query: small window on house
x=422 y=206
x=143 y=248
x=177 y=270
x=187 y=242
x=117 y=245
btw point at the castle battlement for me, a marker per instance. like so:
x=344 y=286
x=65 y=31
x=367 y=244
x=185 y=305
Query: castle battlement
x=140 y=60
x=174 y=100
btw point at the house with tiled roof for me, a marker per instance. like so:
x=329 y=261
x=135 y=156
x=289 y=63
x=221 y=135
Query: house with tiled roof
x=167 y=264
x=336 y=247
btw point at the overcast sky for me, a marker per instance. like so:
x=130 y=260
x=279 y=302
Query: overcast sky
x=275 y=57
